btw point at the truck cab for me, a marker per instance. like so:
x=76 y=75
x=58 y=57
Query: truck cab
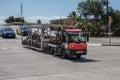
x=72 y=43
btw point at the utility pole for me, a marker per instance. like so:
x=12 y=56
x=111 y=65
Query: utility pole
x=21 y=9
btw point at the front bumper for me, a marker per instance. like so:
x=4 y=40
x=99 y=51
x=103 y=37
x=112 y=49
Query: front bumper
x=9 y=35
x=24 y=33
x=76 y=52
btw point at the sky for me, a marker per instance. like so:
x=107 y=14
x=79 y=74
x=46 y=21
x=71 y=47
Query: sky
x=41 y=9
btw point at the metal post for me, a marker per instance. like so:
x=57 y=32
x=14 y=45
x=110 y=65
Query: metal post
x=21 y=9
x=110 y=22
x=110 y=34
x=107 y=17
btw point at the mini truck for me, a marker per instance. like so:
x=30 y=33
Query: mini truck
x=56 y=40
x=71 y=42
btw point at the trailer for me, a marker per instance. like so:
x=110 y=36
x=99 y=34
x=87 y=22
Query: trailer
x=37 y=38
x=56 y=40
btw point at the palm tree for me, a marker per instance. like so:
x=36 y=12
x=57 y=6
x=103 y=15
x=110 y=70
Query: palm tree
x=74 y=16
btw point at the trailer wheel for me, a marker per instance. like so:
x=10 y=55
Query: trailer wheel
x=78 y=56
x=51 y=51
x=55 y=54
x=63 y=54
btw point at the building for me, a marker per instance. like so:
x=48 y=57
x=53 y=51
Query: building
x=65 y=21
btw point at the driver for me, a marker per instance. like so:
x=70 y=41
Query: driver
x=58 y=38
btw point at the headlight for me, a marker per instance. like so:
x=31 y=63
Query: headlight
x=4 y=33
x=72 y=46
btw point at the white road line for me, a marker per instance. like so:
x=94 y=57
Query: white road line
x=6 y=48
x=9 y=40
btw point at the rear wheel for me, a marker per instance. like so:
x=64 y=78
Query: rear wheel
x=55 y=54
x=51 y=50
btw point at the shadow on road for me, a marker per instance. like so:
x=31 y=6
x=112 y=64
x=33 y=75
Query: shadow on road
x=82 y=60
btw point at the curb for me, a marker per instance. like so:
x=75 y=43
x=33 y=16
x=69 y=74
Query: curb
x=93 y=44
x=98 y=44
x=110 y=45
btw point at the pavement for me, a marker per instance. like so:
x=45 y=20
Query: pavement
x=19 y=63
x=103 y=41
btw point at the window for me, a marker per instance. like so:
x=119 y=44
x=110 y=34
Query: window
x=76 y=37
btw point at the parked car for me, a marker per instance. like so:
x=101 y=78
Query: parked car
x=22 y=30
x=7 y=32
x=0 y=30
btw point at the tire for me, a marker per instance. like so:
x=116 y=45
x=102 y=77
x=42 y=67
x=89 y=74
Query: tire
x=51 y=50
x=3 y=36
x=63 y=54
x=14 y=37
x=47 y=50
x=55 y=54
x=78 y=56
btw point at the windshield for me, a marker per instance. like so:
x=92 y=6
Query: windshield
x=8 y=29
x=25 y=28
x=76 y=37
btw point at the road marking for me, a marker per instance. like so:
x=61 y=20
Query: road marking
x=6 y=48
x=5 y=40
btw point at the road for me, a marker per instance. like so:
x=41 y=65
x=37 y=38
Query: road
x=18 y=63
x=104 y=40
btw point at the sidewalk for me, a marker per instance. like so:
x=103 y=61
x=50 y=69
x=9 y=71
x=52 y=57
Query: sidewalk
x=115 y=41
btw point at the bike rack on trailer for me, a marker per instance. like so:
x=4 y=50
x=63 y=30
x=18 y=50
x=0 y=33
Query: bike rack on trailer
x=44 y=39
x=27 y=41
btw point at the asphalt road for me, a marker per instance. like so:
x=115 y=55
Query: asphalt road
x=104 y=40
x=18 y=63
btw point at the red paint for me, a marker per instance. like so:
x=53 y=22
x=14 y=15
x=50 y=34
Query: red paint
x=77 y=46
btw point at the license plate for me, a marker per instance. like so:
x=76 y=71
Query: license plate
x=79 y=51
x=9 y=35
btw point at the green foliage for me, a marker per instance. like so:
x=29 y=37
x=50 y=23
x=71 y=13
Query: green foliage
x=38 y=21
x=92 y=17
x=74 y=16
x=116 y=22
x=95 y=8
x=13 y=19
x=58 y=21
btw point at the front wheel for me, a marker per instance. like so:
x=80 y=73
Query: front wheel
x=63 y=54
x=78 y=56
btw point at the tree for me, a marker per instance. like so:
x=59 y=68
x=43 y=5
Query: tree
x=10 y=19
x=38 y=21
x=19 y=19
x=95 y=11
x=74 y=16
x=13 y=19
x=59 y=21
x=95 y=8
x=116 y=22
x=92 y=16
